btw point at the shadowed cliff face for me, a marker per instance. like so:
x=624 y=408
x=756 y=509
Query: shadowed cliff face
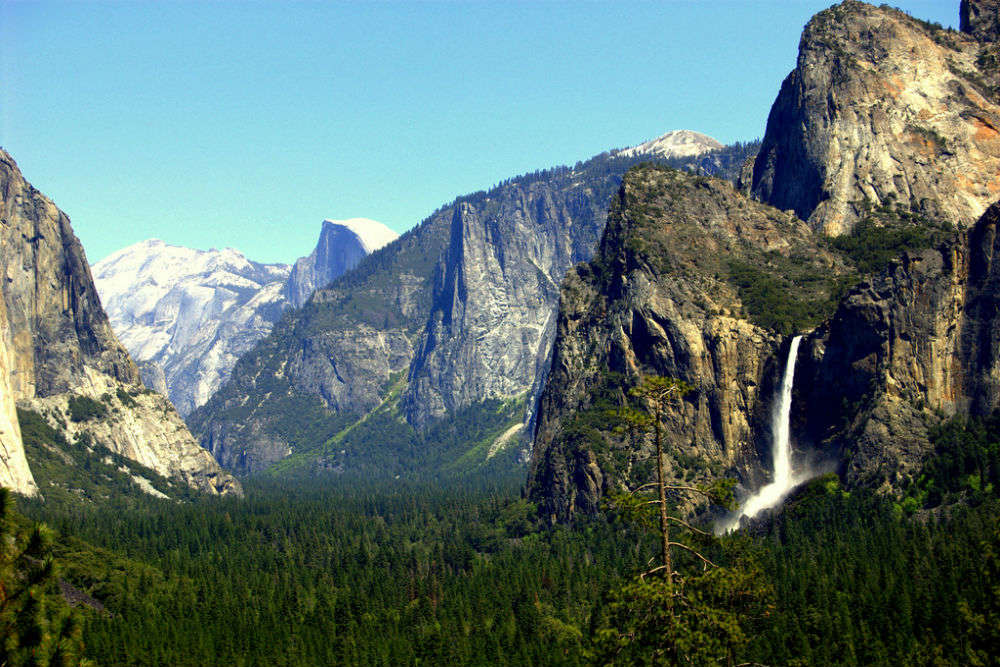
x=61 y=345
x=662 y=297
x=981 y=19
x=882 y=106
x=906 y=347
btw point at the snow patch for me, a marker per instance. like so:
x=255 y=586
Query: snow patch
x=372 y=233
x=677 y=143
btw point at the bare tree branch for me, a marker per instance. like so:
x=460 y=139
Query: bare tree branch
x=689 y=549
x=687 y=525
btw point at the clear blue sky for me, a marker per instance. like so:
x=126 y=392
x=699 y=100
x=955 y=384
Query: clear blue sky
x=245 y=124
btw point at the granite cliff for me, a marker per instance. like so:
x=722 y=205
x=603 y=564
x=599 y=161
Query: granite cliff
x=883 y=107
x=342 y=244
x=61 y=349
x=884 y=141
x=906 y=348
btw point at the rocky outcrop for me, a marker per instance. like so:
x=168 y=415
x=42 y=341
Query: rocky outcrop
x=187 y=315
x=661 y=298
x=62 y=347
x=140 y=425
x=14 y=471
x=981 y=19
x=882 y=108
x=342 y=244
x=905 y=348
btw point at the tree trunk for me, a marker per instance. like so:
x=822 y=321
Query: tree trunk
x=664 y=524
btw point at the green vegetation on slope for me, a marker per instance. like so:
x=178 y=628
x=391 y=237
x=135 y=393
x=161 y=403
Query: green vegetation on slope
x=83 y=472
x=383 y=445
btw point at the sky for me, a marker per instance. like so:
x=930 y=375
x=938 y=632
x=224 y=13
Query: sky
x=244 y=125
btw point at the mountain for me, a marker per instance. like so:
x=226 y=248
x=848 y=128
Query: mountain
x=677 y=289
x=883 y=108
x=63 y=363
x=187 y=315
x=678 y=143
x=878 y=157
x=342 y=244
x=450 y=324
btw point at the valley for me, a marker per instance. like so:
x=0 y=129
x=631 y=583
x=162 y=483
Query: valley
x=682 y=403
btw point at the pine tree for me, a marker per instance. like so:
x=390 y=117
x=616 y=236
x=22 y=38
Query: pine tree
x=692 y=615
x=37 y=628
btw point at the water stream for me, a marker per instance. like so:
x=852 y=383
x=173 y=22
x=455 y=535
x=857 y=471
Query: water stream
x=783 y=478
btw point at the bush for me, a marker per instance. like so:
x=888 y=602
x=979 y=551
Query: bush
x=84 y=408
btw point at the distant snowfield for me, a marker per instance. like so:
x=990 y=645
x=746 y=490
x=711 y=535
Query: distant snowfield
x=194 y=312
x=677 y=143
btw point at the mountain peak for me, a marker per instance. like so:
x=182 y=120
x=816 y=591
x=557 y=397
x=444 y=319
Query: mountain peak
x=676 y=143
x=372 y=233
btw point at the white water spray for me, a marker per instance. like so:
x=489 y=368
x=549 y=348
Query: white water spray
x=784 y=478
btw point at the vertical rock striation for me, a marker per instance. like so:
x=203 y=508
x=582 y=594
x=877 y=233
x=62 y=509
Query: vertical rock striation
x=905 y=347
x=14 y=471
x=981 y=19
x=493 y=315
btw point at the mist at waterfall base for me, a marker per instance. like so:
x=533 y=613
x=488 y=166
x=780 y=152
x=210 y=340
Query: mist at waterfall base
x=784 y=477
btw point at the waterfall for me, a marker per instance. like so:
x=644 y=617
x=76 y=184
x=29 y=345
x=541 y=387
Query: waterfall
x=784 y=478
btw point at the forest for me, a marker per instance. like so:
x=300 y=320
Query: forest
x=349 y=572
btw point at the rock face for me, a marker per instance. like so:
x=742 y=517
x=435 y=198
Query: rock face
x=909 y=345
x=458 y=311
x=981 y=19
x=186 y=315
x=62 y=347
x=493 y=314
x=14 y=471
x=342 y=244
x=884 y=108
x=661 y=298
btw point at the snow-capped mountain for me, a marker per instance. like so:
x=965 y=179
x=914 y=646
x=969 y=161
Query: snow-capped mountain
x=678 y=143
x=187 y=315
x=190 y=312
x=342 y=244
